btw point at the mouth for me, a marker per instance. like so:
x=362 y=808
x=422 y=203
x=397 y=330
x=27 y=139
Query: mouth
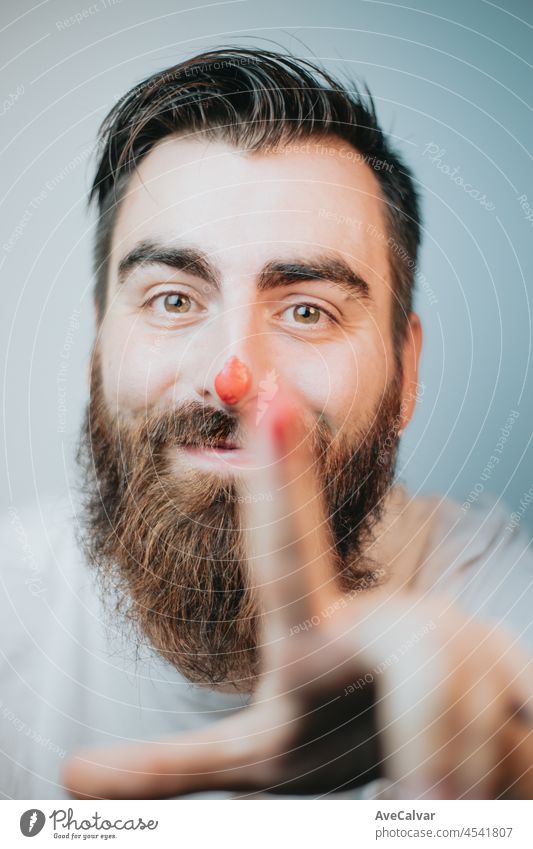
x=224 y=445
x=224 y=455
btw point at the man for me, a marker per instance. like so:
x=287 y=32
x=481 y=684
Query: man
x=296 y=622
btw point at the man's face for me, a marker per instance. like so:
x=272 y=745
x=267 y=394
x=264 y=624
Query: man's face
x=281 y=260
x=246 y=214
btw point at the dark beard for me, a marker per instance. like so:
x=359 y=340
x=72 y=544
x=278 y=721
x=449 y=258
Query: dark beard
x=169 y=547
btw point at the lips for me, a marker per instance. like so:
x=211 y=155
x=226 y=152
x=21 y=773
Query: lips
x=219 y=445
x=223 y=456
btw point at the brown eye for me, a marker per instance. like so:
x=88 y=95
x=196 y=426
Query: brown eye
x=306 y=314
x=177 y=303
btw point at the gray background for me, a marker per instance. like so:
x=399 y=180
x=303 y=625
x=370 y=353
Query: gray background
x=455 y=75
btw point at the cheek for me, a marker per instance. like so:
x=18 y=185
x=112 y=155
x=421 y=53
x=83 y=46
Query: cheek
x=136 y=365
x=343 y=380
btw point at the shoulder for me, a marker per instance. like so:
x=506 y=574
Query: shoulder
x=39 y=556
x=470 y=527
x=34 y=536
x=467 y=535
x=481 y=557
x=427 y=538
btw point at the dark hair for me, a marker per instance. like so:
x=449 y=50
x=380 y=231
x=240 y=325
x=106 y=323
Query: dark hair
x=254 y=99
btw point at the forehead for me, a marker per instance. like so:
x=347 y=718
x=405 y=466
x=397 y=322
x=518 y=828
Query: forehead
x=245 y=208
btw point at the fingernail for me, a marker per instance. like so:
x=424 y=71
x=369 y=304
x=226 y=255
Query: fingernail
x=284 y=423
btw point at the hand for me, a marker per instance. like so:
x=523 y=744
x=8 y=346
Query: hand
x=351 y=687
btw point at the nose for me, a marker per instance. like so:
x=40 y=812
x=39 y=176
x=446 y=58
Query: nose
x=233 y=381
x=232 y=360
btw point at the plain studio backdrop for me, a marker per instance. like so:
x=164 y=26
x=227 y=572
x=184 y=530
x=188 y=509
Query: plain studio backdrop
x=453 y=83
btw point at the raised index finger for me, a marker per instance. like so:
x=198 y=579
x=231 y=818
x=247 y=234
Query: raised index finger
x=290 y=546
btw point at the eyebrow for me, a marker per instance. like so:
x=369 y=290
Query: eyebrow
x=273 y=275
x=191 y=260
x=329 y=269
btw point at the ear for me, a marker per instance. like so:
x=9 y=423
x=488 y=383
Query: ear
x=412 y=347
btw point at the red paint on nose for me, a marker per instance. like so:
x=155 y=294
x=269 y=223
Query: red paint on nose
x=233 y=381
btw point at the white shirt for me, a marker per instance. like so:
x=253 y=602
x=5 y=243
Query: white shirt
x=68 y=679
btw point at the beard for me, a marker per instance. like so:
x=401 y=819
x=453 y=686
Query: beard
x=168 y=545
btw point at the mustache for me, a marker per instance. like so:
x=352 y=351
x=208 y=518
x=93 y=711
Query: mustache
x=189 y=423
x=194 y=424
